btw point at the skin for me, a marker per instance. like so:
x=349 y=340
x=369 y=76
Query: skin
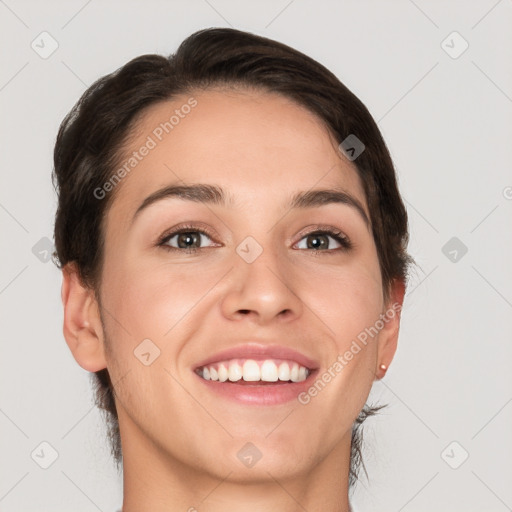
x=179 y=440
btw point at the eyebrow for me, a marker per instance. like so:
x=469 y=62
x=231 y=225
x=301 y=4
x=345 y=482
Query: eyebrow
x=212 y=194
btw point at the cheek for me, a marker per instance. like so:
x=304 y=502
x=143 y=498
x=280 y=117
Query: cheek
x=347 y=298
x=150 y=301
x=155 y=303
x=348 y=308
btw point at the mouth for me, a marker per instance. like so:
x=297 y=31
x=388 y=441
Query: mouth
x=263 y=382
x=254 y=371
x=257 y=374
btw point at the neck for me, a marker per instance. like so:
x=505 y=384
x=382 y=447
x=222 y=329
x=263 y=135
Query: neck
x=155 y=480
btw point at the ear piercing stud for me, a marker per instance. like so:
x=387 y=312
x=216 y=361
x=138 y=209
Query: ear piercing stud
x=383 y=367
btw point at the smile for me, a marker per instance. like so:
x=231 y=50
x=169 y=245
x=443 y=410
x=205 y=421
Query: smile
x=255 y=382
x=251 y=370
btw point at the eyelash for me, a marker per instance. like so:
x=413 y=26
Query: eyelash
x=342 y=239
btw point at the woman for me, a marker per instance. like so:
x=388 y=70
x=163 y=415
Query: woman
x=233 y=249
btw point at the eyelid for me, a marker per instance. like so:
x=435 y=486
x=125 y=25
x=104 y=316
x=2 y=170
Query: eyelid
x=312 y=228
x=315 y=228
x=180 y=228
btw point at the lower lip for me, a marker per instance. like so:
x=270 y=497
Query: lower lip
x=259 y=394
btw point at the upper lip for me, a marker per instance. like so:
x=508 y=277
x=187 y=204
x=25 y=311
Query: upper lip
x=252 y=350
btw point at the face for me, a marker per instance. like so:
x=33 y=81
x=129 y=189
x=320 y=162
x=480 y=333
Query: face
x=254 y=269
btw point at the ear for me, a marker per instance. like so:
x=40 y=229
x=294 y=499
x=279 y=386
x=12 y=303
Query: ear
x=82 y=328
x=388 y=336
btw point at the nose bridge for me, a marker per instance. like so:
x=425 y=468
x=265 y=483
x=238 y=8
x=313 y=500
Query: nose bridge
x=261 y=281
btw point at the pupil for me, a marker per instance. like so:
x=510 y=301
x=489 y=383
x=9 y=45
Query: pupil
x=315 y=245
x=184 y=239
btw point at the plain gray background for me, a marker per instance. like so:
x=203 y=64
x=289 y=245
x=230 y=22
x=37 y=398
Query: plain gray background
x=446 y=115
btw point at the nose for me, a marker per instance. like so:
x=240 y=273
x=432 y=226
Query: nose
x=262 y=291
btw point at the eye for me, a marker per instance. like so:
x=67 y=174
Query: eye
x=319 y=240
x=186 y=238
x=190 y=239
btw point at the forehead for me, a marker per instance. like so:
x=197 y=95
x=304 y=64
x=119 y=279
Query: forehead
x=259 y=146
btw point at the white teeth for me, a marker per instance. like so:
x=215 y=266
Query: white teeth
x=234 y=372
x=284 y=371
x=268 y=372
x=254 y=371
x=294 y=373
x=251 y=371
x=223 y=373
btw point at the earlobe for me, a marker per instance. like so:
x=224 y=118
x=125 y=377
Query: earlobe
x=82 y=326
x=388 y=336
